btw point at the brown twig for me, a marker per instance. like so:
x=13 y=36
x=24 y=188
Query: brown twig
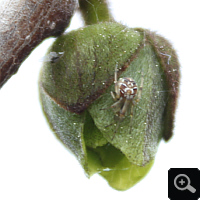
x=24 y=24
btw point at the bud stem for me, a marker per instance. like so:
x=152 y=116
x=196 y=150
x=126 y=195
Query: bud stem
x=95 y=11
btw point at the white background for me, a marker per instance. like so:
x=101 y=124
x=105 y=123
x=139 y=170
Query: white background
x=35 y=165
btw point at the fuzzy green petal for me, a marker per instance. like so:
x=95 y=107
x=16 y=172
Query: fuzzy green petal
x=138 y=141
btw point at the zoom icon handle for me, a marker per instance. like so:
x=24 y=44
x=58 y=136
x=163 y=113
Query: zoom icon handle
x=183 y=183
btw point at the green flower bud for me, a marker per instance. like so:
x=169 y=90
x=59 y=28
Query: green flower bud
x=75 y=90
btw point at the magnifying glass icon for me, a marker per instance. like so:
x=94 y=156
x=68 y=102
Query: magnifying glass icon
x=182 y=182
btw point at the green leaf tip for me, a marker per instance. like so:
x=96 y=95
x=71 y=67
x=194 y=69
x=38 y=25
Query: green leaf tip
x=75 y=91
x=113 y=165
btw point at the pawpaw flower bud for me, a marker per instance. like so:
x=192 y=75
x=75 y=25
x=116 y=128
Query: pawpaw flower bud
x=117 y=141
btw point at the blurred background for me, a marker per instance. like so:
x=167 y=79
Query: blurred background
x=35 y=165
